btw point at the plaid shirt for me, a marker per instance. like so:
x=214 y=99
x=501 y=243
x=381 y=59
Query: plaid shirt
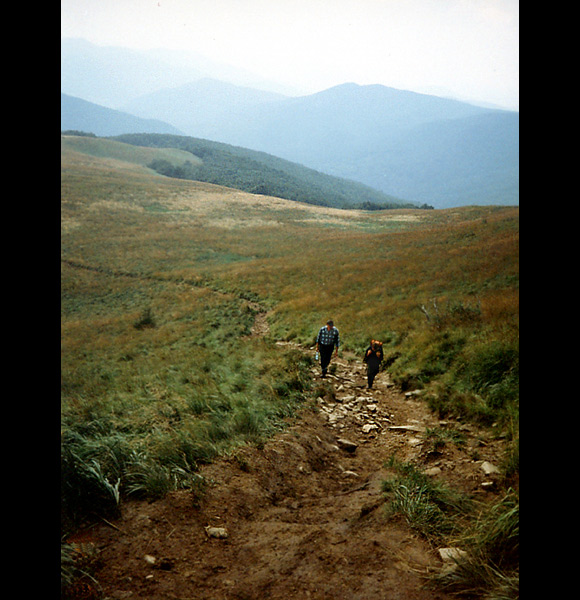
x=328 y=337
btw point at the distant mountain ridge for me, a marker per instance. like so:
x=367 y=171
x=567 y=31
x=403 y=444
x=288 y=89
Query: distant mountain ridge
x=202 y=106
x=414 y=146
x=80 y=115
x=422 y=148
x=112 y=76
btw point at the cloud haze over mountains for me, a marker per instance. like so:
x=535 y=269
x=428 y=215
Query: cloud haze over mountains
x=417 y=147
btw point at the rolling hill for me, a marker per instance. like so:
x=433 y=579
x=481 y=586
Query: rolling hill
x=255 y=172
x=201 y=108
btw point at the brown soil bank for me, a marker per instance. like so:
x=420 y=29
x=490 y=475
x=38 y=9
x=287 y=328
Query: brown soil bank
x=303 y=515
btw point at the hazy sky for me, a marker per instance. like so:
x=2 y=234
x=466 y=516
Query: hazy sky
x=465 y=48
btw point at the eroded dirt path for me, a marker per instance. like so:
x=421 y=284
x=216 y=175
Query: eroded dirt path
x=304 y=516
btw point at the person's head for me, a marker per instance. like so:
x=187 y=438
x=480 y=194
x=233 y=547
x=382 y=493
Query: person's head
x=329 y=324
x=375 y=344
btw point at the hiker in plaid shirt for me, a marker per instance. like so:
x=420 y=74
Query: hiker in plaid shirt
x=328 y=337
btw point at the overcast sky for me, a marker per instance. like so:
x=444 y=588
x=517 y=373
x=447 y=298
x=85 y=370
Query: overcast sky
x=465 y=48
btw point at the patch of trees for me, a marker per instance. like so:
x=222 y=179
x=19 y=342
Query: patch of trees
x=261 y=173
x=77 y=132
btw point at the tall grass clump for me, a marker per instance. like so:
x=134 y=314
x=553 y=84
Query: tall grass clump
x=76 y=572
x=482 y=385
x=489 y=565
x=428 y=506
x=487 y=534
x=148 y=478
x=87 y=490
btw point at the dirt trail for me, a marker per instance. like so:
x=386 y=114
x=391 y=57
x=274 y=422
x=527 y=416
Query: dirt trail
x=304 y=516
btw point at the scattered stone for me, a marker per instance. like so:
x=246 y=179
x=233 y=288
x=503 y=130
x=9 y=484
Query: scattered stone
x=414 y=393
x=414 y=442
x=368 y=427
x=350 y=474
x=412 y=428
x=347 y=445
x=452 y=555
x=216 y=532
x=121 y=594
x=369 y=508
x=432 y=471
x=150 y=560
x=488 y=468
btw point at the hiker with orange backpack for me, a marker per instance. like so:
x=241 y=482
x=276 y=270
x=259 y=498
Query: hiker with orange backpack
x=373 y=358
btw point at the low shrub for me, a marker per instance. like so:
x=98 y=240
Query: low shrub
x=146 y=320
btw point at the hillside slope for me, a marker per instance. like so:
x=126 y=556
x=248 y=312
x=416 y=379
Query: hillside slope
x=190 y=396
x=417 y=147
x=473 y=160
x=255 y=172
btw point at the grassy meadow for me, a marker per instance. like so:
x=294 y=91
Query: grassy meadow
x=161 y=282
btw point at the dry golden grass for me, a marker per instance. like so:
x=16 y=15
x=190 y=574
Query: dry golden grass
x=160 y=279
x=145 y=237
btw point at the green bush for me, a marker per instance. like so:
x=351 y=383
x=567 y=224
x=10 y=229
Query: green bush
x=423 y=358
x=146 y=320
x=491 y=368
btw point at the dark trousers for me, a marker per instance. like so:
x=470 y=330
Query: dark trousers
x=371 y=374
x=325 y=356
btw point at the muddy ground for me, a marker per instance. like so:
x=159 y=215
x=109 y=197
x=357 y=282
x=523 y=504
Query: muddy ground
x=304 y=514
